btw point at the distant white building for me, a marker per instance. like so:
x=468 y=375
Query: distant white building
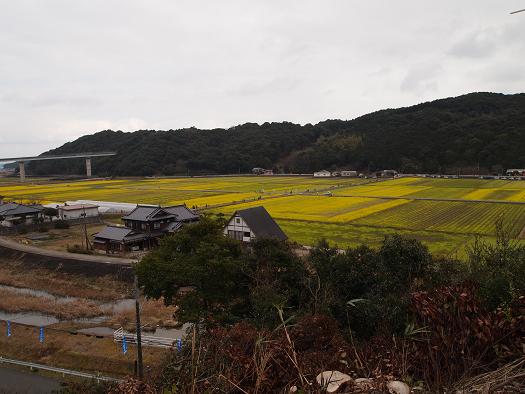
x=78 y=211
x=349 y=173
x=516 y=172
x=322 y=173
x=387 y=174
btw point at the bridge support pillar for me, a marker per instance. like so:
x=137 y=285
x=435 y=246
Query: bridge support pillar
x=88 y=167
x=22 y=171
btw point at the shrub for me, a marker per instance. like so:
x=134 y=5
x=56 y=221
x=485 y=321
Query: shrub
x=61 y=224
x=78 y=249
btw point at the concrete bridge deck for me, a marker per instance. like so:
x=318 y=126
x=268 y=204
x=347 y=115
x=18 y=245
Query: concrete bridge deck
x=85 y=155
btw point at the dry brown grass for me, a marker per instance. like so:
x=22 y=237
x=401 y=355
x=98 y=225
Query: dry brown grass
x=14 y=303
x=104 y=288
x=61 y=238
x=78 y=352
x=153 y=313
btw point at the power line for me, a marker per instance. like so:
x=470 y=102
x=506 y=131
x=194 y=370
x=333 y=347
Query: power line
x=516 y=12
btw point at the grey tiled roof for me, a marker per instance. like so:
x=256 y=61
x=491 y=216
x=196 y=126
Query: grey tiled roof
x=261 y=223
x=115 y=233
x=146 y=213
x=184 y=214
x=12 y=209
x=174 y=226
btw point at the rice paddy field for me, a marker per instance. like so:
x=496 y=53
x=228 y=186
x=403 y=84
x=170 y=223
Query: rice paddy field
x=445 y=214
x=197 y=192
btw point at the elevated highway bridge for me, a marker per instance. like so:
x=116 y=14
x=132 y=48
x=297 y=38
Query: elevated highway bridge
x=86 y=155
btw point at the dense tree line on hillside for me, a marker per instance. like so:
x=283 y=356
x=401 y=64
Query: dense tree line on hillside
x=482 y=132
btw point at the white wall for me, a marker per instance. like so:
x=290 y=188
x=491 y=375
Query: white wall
x=237 y=224
x=9 y=223
x=77 y=213
x=322 y=174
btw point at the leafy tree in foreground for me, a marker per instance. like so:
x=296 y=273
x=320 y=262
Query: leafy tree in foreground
x=222 y=281
x=498 y=268
x=381 y=279
x=202 y=259
x=278 y=278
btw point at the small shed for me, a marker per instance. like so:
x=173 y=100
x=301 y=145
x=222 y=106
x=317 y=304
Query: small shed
x=115 y=239
x=252 y=223
x=322 y=173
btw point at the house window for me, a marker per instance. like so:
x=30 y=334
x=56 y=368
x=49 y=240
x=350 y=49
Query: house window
x=246 y=234
x=144 y=226
x=238 y=220
x=156 y=226
x=235 y=234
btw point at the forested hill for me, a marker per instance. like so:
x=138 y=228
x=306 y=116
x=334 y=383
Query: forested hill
x=484 y=130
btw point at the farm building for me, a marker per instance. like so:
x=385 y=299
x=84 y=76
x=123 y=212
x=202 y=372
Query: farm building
x=322 y=173
x=115 y=239
x=71 y=212
x=515 y=172
x=156 y=219
x=144 y=226
x=261 y=171
x=251 y=223
x=13 y=214
x=349 y=173
x=387 y=174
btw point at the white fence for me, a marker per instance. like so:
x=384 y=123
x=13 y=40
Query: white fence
x=146 y=340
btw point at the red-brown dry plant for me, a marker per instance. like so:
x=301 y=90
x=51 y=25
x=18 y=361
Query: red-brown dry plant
x=460 y=335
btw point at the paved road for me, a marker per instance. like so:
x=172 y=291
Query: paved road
x=11 y=244
x=22 y=382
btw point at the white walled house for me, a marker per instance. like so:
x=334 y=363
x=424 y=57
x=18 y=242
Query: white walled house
x=349 y=173
x=322 y=173
x=13 y=214
x=79 y=211
x=238 y=229
x=252 y=223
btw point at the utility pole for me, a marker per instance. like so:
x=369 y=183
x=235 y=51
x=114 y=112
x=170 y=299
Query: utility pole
x=84 y=228
x=140 y=368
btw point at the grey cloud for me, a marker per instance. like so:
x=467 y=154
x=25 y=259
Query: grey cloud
x=484 y=42
x=422 y=79
x=71 y=68
x=476 y=44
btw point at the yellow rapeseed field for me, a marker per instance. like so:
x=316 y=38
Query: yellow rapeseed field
x=343 y=210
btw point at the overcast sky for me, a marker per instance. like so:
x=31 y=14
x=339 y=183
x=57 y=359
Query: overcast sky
x=75 y=67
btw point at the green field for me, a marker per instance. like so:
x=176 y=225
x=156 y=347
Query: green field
x=446 y=214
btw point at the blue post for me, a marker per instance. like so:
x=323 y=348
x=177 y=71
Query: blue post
x=179 y=344
x=8 y=328
x=124 y=345
x=41 y=336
